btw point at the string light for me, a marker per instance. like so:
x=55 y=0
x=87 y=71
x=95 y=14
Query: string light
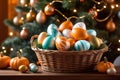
x=118 y=49
x=11 y=49
x=119 y=40
x=11 y=33
x=117 y=5
x=74 y=10
x=3 y=47
x=112 y=6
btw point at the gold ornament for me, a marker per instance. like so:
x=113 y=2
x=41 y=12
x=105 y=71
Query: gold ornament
x=33 y=2
x=49 y=9
x=24 y=33
x=23 y=68
x=30 y=16
x=18 y=20
x=110 y=26
x=24 y=2
x=41 y=17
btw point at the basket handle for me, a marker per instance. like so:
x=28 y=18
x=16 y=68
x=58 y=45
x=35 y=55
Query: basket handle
x=32 y=39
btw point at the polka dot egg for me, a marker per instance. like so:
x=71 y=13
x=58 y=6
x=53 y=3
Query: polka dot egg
x=82 y=45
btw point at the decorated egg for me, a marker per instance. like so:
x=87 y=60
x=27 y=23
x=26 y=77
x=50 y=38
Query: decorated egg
x=80 y=25
x=95 y=41
x=41 y=37
x=65 y=25
x=79 y=34
x=53 y=30
x=67 y=33
x=92 y=32
x=71 y=41
x=62 y=43
x=82 y=45
x=48 y=43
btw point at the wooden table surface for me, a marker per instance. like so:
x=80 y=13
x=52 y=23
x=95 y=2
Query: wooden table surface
x=16 y=75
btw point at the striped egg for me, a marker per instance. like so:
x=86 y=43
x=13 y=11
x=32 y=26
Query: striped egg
x=62 y=44
x=80 y=25
x=48 y=43
x=92 y=32
x=53 y=30
x=82 y=45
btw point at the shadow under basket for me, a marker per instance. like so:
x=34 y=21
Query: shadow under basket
x=67 y=61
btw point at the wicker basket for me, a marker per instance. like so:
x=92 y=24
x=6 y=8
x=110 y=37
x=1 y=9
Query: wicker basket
x=67 y=61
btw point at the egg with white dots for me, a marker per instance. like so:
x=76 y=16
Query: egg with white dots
x=80 y=25
x=92 y=32
x=82 y=45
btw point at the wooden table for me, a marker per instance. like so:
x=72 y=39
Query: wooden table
x=16 y=75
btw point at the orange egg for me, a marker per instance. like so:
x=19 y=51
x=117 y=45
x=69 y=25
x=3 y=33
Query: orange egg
x=65 y=25
x=71 y=41
x=41 y=37
x=62 y=44
x=79 y=34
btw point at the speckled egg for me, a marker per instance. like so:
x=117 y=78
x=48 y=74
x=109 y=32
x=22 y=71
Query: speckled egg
x=80 y=25
x=82 y=45
x=48 y=43
x=62 y=44
x=92 y=32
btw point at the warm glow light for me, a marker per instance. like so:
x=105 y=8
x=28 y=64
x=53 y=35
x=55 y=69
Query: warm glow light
x=117 y=5
x=104 y=6
x=11 y=49
x=98 y=10
x=3 y=47
x=98 y=2
x=20 y=50
x=4 y=51
x=119 y=40
x=74 y=10
x=112 y=6
x=118 y=49
x=11 y=33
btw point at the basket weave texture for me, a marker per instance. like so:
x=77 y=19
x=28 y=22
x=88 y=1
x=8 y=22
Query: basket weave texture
x=67 y=61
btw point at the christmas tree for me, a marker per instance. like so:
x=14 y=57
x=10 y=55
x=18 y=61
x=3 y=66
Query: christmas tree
x=34 y=16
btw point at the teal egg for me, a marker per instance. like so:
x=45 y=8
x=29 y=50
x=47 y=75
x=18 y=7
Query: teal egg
x=92 y=32
x=34 y=68
x=82 y=45
x=52 y=30
x=48 y=43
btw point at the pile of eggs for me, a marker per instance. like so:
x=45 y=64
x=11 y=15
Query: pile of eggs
x=69 y=37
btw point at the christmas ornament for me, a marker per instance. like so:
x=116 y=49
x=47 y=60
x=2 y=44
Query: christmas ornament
x=62 y=44
x=80 y=25
x=41 y=17
x=79 y=34
x=24 y=2
x=118 y=14
x=67 y=33
x=33 y=67
x=30 y=16
x=81 y=45
x=111 y=71
x=92 y=32
x=41 y=37
x=33 y=2
x=109 y=1
x=65 y=25
x=93 y=12
x=49 y=43
x=82 y=0
x=49 y=9
x=18 y=20
x=4 y=61
x=24 y=33
x=110 y=26
x=23 y=68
